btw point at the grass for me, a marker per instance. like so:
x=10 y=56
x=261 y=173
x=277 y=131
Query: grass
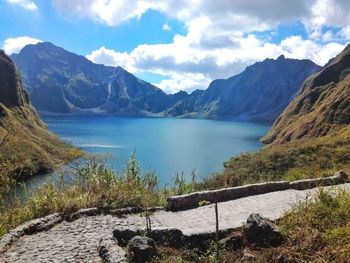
x=316 y=230
x=300 y=159
x=91 y=184
x=27 y=147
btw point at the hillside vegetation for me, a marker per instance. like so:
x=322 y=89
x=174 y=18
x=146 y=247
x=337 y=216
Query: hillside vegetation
x=299 y=159
x=322 y=106
x=316 y=230
x=26 y=146
x=311 y=138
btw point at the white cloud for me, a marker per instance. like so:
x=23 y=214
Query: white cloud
x=327 y=13
x=106 y=11
x=110 y=57
x=296 y=47
x=186 y=81
x=26 y=4
x=220 y=39
x=14 y=45
x=166 y=27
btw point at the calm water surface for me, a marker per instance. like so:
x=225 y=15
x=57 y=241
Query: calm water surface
x=164 y=144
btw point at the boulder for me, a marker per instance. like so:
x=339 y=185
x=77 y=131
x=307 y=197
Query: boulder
x=234 y=241
x=141 y=249
x=171 y=237
x=123 y=236
x=262 y=232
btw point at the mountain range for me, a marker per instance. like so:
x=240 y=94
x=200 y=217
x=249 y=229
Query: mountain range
x=260 y=92
x=26 y=146
x=62 y=82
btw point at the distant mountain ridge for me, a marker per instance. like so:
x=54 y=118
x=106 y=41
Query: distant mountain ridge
x=63 y=82
x=260 y=92
x=25 y=141
x=322 y=106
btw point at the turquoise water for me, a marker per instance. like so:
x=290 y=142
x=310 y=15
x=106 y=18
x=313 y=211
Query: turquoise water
x=164 y=144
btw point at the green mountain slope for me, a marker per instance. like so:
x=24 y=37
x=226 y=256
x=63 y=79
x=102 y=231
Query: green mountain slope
x=322 y=107
x=26 y=146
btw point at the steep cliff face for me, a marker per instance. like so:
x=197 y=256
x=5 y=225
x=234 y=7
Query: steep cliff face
x=260 y=92
x=11 y=92
x=322 y=106
x=25 y=143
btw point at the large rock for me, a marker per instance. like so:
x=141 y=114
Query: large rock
x=171 y=237
x=260 y=231
x=123 y=236
x=141 y=249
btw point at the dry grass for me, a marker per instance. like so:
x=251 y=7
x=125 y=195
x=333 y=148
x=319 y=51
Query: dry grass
x=316 y=230
x=291 y=161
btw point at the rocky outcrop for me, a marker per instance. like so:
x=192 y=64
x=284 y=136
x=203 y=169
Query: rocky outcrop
x=25 y=143
x=183 y=202
x=11 y=91
x=262 y=232
x=322 y=106
x=141 y=249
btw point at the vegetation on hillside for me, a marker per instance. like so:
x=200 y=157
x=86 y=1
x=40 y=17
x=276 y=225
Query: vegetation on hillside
x=299 y=159
x=321 y=107
x=27 y=148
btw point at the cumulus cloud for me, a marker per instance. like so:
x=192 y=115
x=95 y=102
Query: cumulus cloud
x=106 y=11
x=14 y=45
x=327 y=13
x=26 y=4
x=296 y=47
x=110 y=57
x=221 y=37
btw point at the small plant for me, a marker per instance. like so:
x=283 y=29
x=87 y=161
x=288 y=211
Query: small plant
x=147 y=215
x=203 y=203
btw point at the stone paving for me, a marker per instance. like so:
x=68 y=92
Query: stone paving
x=79 y=240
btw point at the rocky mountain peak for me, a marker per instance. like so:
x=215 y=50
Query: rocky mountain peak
x=321 y=107
x=11 y=92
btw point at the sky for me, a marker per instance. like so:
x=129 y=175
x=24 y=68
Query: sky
x=180 y=44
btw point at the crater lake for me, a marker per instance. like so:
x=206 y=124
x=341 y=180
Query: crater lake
x=165 y=145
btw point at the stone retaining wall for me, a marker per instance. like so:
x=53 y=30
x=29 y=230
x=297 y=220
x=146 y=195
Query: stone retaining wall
x=47 y=222
x=189 y=201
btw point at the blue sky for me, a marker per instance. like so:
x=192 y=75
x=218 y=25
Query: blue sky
x=177 y=44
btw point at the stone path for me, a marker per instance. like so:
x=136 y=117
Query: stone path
x=78 y=241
